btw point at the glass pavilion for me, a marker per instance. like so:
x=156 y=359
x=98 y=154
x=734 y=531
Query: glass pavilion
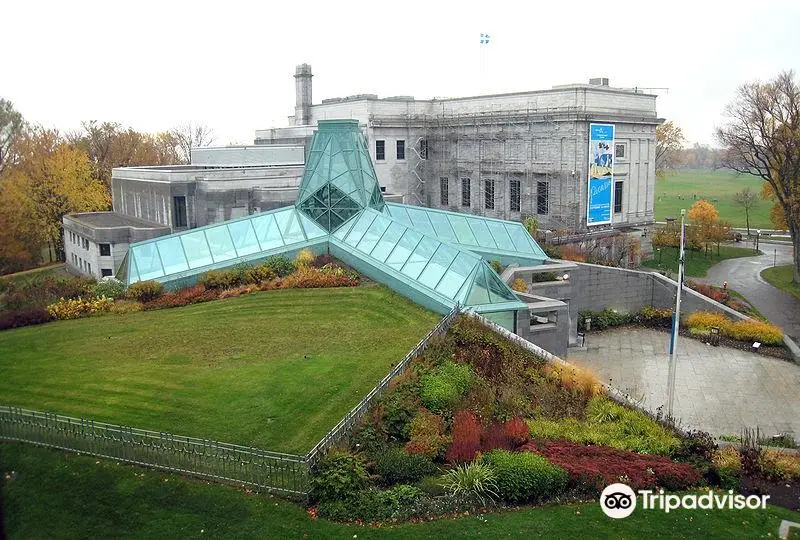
x=435 y=258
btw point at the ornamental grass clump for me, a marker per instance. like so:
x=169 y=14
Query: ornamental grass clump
x=473 y=481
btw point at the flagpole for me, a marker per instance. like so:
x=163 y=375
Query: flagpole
x=676 y=321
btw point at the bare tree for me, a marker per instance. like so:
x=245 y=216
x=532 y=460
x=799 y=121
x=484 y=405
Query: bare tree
x=190 y=136
x=11 y=125
x=747 y=199
x=669 y=142
x=762 y=135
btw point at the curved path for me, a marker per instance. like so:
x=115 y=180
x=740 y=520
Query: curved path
x=743 y=276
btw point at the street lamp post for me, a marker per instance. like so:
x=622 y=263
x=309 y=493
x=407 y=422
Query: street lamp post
x=676 y=321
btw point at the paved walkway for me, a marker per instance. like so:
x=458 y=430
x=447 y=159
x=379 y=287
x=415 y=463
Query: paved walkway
x=743 y=275
x=719 y=390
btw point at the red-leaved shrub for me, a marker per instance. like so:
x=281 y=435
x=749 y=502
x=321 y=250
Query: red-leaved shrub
x=184 y=297
x=24 y=317
x=517 y=430
x=495 y=438
x=594 y=467
x=466 y=438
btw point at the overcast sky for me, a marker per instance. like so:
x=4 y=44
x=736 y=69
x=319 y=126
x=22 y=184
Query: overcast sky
x=229 y=64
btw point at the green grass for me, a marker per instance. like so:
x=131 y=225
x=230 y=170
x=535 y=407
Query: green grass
x=56 y=270
x=58 y=495
x=697 y=263
x=781 y=277
x=720 y=185
x=275 y=370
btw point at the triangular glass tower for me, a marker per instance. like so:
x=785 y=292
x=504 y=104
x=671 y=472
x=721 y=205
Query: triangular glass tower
x=435 y=258
x=339 y=180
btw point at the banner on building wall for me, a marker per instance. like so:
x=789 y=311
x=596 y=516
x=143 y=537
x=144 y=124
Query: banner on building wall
x=601 y=174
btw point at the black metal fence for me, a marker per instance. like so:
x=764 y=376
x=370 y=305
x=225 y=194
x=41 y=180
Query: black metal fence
x=240 y=465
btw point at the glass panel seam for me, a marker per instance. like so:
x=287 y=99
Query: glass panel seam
x=138 y=274
x=435 y=251
x=255 y=234
x=445 y=270
x=496 y=243
x=278 y=228
x=208 y=245
x=185 y=256
x=475 y=236
x=160 y=261
x=379 y=239
x=362 y=234
x=300 y=223
x=233 y=244
x=411 y=253
x=397 y=243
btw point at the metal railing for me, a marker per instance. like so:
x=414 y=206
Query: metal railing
x=229 y=463
x=287 y=474
x=342 y=429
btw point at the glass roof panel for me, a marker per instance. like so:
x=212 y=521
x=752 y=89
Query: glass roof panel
x=291 y=232
x=172 y=256
x=220 y=243
x=342 y=231
x=498 y=291
x=444 y=231
x=122 y=271
x=405 y=246
x=440 y=262
x=500 y=235
x=420 y=257
x=311 y=229
x=244 y=237
x=196 y=249
x=463 y=231
x=482 y=235
x=418 y=219
x=267 y=232
x=479 y=294
x=373 y=234
x=520 y=237
x=387 y=243
x=359 y=228
x=457 y=274
x=147 y=261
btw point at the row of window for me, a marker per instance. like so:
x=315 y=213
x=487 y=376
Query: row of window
x=380 y=150
x=86 y=266
x=514 y=200
x=77 y=239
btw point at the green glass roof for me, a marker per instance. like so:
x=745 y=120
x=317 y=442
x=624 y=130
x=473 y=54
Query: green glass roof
x=192 y=252
x=488 y=236
x=434 y=257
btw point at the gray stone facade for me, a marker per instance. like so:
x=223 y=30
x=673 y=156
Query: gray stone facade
x=536 y=141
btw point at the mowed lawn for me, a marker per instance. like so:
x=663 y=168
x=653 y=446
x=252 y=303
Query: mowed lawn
x=275 y=370
x=54 y=494
x=716 y=186
x=697 y=262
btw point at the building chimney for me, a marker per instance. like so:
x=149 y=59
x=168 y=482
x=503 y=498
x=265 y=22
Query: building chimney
x=302 y=84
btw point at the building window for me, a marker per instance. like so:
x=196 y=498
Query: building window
x=401 y=149
x=106 y=272
x=380 y=150
x=89 y=267
x=444 y=191
x=619 y=150
x=542 y=198
x=465 y=192
x=86 y=244
x=514 y=189
x=80 y=263
x=105 y=250
x=180 y=211
x=488 y=194
x=618 y=197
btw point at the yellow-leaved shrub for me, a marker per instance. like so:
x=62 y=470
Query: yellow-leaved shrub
x=73 y=308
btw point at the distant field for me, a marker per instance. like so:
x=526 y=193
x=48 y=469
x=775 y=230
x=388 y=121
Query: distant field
x=275 y=370
x=678 y=190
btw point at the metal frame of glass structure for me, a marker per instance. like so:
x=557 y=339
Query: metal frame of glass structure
x=435 y=258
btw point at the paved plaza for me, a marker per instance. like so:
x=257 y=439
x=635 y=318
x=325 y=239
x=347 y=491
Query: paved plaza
x=719 y=390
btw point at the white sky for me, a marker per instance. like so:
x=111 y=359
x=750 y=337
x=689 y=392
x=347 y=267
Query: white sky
x=230 y=64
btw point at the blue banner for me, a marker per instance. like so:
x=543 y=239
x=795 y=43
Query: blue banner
x=601 y=174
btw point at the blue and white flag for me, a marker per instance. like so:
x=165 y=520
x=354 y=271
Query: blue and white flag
x=484 y=39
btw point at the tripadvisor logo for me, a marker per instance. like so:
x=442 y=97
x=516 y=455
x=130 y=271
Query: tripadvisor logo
x=619 y=501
